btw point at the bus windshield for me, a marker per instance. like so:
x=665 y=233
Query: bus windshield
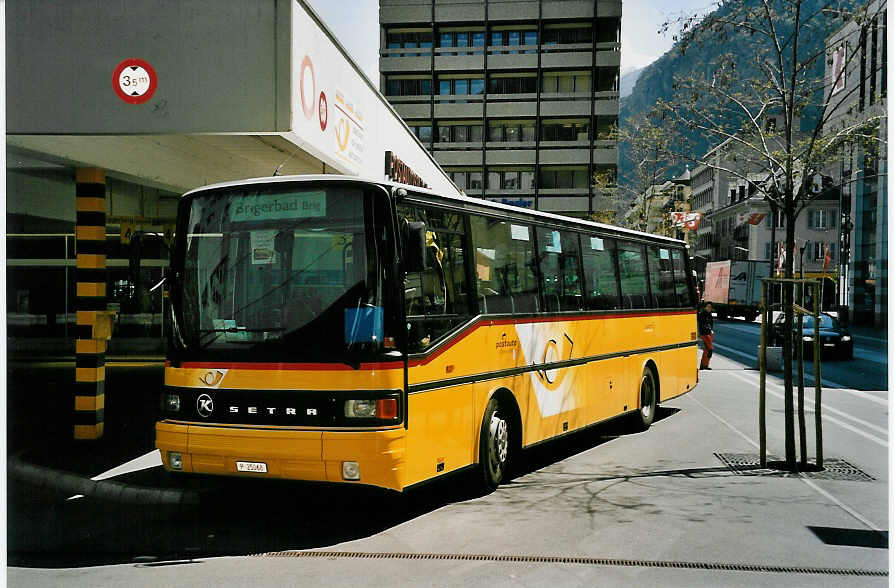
x=283 y=269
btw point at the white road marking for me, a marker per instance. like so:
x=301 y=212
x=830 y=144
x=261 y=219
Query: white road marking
x=827 y=383
x=826 y=410
x=150 y=460
x=854 y=513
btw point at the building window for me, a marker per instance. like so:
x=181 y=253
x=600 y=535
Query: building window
x=566 y=82
x=410 y=40
x=422 y=132
x=777 y=218
x=608 y=30
x=512 y=85
x=564 y=177
x=821 y=218
x=873 y=62
x=511 y=131
x=478 y=38
x=567 y=34
x=460 y=87
x=514 y=38
x=408 y=87
x=529 y=38
x=565 y=130
x=518 y=179
x=467 y=178
x=606 y=79
x=862 y=70
x=460 y=133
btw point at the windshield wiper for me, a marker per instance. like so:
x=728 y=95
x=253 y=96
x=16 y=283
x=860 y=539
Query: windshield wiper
x=241 y=330
x=203 y=333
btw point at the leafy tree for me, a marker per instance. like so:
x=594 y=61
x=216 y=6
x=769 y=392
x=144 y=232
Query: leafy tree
x=771 y=111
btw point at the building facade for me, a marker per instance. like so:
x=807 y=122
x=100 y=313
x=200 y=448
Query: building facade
x=856 y=85
x=739 y=223
x=518 y=101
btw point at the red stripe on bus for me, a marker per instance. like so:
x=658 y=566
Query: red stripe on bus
x=323 y=367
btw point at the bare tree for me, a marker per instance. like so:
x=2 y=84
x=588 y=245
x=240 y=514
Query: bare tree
x=651 y=145
x=755 y=107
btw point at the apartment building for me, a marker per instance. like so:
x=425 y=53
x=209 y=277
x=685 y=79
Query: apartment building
x=517 y=100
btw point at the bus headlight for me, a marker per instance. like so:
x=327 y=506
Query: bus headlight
x=360 y=409
x=371 y=408
x=172 y=402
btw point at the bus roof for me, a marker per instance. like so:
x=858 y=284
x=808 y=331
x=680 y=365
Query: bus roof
x=458 y=199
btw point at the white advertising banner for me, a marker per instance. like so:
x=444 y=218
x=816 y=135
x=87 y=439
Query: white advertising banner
x=338 y=118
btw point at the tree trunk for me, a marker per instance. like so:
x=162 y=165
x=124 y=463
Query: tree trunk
x=787 y=300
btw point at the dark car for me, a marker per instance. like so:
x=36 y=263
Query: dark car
x=835 y=340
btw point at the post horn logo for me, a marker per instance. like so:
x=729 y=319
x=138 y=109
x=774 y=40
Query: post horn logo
x=552 y=378
x=212 y=379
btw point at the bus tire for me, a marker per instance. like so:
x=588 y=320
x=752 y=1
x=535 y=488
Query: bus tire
x=494 y=446
x=648 y=400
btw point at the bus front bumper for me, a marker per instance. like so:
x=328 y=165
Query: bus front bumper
x=290 y=454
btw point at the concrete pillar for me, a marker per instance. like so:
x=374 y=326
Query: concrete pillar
x=90 y=304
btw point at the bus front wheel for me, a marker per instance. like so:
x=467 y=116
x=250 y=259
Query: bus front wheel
x=493 y=452
x=648 y=400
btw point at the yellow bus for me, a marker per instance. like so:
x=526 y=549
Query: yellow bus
x=334 y=329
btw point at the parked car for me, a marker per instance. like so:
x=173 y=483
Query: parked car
x=835 y=340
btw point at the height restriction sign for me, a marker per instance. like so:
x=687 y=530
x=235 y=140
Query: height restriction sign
x=134 y=81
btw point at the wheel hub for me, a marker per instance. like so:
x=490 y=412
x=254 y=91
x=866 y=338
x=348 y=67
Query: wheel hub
x=646 y=393
x=499 y=440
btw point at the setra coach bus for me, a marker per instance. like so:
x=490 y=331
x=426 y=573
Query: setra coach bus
x=329 y=328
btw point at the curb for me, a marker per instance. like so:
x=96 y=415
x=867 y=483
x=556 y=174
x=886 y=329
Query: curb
x=107 y=490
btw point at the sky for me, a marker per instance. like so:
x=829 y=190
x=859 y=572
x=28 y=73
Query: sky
x=356 y=25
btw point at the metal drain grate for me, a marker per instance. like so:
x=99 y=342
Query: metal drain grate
x=748 y=464
x=593 y=561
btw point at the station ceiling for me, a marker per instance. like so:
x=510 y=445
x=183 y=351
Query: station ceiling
x=177 y=163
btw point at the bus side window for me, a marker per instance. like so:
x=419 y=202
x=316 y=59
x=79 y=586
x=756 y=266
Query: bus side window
x=559 y=270
x=632 y=271
x=600 y=273
x=505 y=266
x=661 y=277
x=681 y=281
x=437 y=299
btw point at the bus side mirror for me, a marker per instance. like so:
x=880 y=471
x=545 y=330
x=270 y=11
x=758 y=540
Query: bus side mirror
x=414 y=246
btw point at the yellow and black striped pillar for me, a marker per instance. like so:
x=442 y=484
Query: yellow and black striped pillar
x=90 y=233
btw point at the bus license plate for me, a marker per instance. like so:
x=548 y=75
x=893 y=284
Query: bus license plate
x=251 y=466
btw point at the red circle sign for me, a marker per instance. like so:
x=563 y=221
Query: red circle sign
x=324 y=111
x=134 y=81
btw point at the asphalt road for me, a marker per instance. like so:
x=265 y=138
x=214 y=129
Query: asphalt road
x=604 y=507
x=868 y=370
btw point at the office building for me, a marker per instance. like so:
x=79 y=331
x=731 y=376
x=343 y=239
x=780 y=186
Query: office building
x=517 y=101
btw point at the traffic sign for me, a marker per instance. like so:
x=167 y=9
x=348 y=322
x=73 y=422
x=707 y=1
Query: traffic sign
x=134 y=80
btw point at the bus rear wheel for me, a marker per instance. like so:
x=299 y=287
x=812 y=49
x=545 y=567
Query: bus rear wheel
x=494 y=446
x=648 y=400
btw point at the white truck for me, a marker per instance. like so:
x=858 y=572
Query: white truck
x=734 y=287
